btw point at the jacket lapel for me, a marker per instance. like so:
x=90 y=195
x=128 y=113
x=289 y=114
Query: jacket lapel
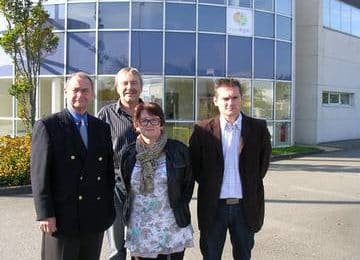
x=216 y=130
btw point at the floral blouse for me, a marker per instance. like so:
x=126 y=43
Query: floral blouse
x=152 y=228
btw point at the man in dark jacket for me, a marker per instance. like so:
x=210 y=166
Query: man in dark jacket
x=230 y=155
x=72 y=176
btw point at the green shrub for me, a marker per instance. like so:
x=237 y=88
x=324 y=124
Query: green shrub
x=15 y=160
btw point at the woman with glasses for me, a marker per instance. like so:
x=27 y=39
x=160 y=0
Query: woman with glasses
x=159 y=183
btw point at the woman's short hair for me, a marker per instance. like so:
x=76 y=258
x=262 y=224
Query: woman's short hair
x=152 y=108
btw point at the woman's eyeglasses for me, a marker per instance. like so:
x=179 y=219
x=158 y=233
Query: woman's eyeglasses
x=153 y=122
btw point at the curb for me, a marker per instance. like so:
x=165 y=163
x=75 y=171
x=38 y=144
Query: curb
x=15 y=190
x=293 y=156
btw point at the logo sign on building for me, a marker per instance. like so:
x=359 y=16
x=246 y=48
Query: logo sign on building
x=239 y=21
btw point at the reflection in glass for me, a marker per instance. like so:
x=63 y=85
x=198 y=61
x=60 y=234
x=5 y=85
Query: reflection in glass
x=211 y=18
x=326 y=13
x=175 y=16
x=263 y=100
x=146 y=52
x=220 y=2
x=179 y=102
x=241 y=3
x=147 y=15
x=283 y=28
x=283 y=7
x=264 y=24
x=325 y=97
x=345 y=18
x=56 y=15
x=53 y=64
x=267 y=5
x=335 y=15
x=51 y=96
x=81 y=52
x=283 y=60
x=153 y=89
x=211 y=55
x=205 y=105
x=283 y=101
x=113 y=51
x=355 y=21
x=180 y=54
x=81 y=16
x=107 y=19
x=270 y=126
x=282 y=133
x=246 y=96
x=6 y=127
x=106 y=93
x=179 y=131
x=239 y=56
x=6 y=100
x=6 y=68
x=264 y=58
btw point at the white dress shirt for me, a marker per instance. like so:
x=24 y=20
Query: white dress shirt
x=230 y=138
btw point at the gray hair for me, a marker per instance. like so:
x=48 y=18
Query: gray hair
x=81 y=75
x=127 y=70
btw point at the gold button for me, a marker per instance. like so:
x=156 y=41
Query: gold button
x=98 y=178
x=72 y=157
x=98 y=198
x=100 y=159
x=81 y=178
x=80 y=197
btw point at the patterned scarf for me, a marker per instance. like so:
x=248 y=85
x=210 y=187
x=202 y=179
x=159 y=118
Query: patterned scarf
x=147 y=156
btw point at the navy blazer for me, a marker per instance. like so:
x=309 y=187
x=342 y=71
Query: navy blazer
x=70 y=182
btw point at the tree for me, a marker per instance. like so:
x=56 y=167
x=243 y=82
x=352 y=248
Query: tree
x=27 y=40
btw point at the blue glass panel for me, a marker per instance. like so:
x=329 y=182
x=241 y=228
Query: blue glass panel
x=326 y=12
x=239 y=56
x=56 y=15
x=264 y=24
x=283 y=60
x=221 y=2
x=81 y=52
x=211 y=55
x=211 y=18
x=335 y=15
x=175 y=16
x=242 y=3
x=283 y=6
x=81 y=16
x=147 y=15
x=264 y=58
x=147 y=52
x=53 y=63
x=113 y=51
x=6 y=67
x=283 y=28
x=180 y=54
x=113 y=15
x=267 y=5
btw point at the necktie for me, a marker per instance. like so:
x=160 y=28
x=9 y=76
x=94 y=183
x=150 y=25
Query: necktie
x=83 y=132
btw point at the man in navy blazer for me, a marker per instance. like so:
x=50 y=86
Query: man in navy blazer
x=230 y=155
x=72 y=177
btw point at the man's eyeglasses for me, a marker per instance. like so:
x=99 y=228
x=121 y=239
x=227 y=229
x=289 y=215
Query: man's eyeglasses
x=153 y=122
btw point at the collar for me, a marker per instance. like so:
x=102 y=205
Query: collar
x=77 y=117
x=224 y=123
x=119 y=106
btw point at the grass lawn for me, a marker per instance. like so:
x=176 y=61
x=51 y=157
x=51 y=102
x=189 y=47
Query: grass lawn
x=293 y=150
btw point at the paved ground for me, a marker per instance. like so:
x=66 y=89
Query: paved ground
x=312 y=212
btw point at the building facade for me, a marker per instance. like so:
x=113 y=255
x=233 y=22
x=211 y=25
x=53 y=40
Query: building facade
x=180 y=47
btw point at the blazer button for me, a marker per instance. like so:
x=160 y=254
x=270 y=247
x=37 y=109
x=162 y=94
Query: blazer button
x=80 y=197
x=81 y=178
x=98 y=198
x=72 y=157
x=98 y=178
x=100 y=159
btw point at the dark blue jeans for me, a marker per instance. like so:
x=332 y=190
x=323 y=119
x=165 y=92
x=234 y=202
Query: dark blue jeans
x=242 y=239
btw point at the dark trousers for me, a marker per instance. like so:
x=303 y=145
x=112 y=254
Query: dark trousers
x=80 y=247
x=174 y=256
x=242 y=239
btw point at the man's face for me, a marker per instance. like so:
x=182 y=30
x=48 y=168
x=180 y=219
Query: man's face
x=78 y=93
x=128 y=88
x=228 y=100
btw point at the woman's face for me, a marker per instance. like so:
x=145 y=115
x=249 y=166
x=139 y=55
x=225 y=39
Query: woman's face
x=148 y=126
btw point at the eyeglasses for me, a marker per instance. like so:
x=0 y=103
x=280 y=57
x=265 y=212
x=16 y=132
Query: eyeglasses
x=153 y=122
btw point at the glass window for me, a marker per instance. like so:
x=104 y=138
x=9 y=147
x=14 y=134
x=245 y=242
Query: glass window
x=263 y=100
x=334 y=98
x=108 y=19
x=146 y=52
x=180 y=54
x=355 y=21
x=53 y=64
x=153 y=89
x=113 y=51
x=246 y=96
x=6 y=68
x=335 y=14
x=326 y=13
x=179 y=131
x=241 y=3
x=51 y=96
x=56 y=15
x=267 y=5
x=6 y=100
x=211 y=18
x=220 y=2
x=270 y=127
x=239 y=56
x=175 y=16
x=345 y=18
x=283 y=101
x=211 y=55
x=147 y=15
x=325 y=97
x=6 y=127
x=264 y=24
x=345 y=98
x=106 y=93
x=283 y=7
x=282 y=133
x=283 y=60
x=81 y=52
x=20 y=127
x=205 y=104
x=3 y=23
x=81 y=16
x=283 y=28
x=179 y=96
x=264 y=58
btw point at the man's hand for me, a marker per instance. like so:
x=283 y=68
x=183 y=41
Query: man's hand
x=48 y=225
